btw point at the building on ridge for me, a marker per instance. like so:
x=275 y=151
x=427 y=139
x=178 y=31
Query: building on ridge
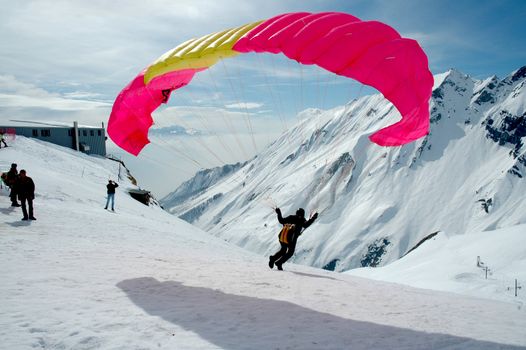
x=87 y=139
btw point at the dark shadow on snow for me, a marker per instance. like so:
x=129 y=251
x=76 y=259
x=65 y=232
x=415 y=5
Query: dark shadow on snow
x=20 y=223
x=7 y=210
x=315 y=276
x=237 y=322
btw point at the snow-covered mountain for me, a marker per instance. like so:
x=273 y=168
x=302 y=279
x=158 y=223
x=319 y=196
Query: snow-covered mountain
x=199 y=183
x=376 y=203
x=81 y=277
x=175 y=130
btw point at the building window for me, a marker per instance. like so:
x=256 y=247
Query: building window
x=45 y=132
x=85 y=132
x=35 y=133
x=92 y=133
x=70 y=132
x=99 y=132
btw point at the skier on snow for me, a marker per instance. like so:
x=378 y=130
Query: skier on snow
x=292 y=227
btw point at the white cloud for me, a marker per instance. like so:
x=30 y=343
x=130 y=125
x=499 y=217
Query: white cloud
x=244 y=105
x=82 y=95
x=16 y=94
x=50 y=102
x=20 y=100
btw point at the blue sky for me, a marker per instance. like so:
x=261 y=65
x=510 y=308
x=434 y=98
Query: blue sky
x=65 y=60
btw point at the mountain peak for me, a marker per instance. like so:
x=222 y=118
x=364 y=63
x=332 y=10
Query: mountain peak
x=454 y=73
x=451 y=75
x=518 y=74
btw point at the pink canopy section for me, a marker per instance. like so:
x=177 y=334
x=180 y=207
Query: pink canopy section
x=368 y=51
x=131 y=116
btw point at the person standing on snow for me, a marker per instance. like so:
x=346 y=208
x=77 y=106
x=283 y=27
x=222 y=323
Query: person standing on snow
x=25 y=189
x=111 y=186
x=10 y=180
x=292 y=227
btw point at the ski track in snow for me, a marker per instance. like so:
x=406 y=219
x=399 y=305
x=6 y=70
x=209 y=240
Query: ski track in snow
x=81 y=277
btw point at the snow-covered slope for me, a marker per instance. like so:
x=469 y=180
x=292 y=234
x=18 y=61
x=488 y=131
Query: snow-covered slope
x=81 y=277
x=483 y=264
x=376 y=203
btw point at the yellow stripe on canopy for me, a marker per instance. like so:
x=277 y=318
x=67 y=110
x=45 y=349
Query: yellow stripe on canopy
x=198 y=53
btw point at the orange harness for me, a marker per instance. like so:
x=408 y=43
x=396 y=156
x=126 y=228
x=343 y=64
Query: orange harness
x=285 y=231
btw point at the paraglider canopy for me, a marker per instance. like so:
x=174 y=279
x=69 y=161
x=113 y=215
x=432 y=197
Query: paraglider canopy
x=368 y=51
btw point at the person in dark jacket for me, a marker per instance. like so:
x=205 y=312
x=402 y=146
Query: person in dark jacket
x=293 y=226
x=111 y=186
x=25 y=189
x=10 y=180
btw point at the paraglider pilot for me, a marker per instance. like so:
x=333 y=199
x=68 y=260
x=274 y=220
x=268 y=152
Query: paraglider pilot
x=292 y=229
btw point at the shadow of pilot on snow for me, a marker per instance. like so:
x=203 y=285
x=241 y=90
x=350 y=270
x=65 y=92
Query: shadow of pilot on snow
x=238 y=322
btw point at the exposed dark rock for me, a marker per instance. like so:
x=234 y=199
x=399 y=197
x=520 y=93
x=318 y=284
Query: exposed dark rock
x=438 y=94
x=486 y=204
x=460 y=90
x=422 y=241
x=142 y=196
x=510 y=131
x=252 y=197
x=289 y=158
x=485 y=97
x=343 y=160
x=331 y=266
x=435 y=118
x=373 y=257
x=515 y=171
x=419 y=151
x=521 y=73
